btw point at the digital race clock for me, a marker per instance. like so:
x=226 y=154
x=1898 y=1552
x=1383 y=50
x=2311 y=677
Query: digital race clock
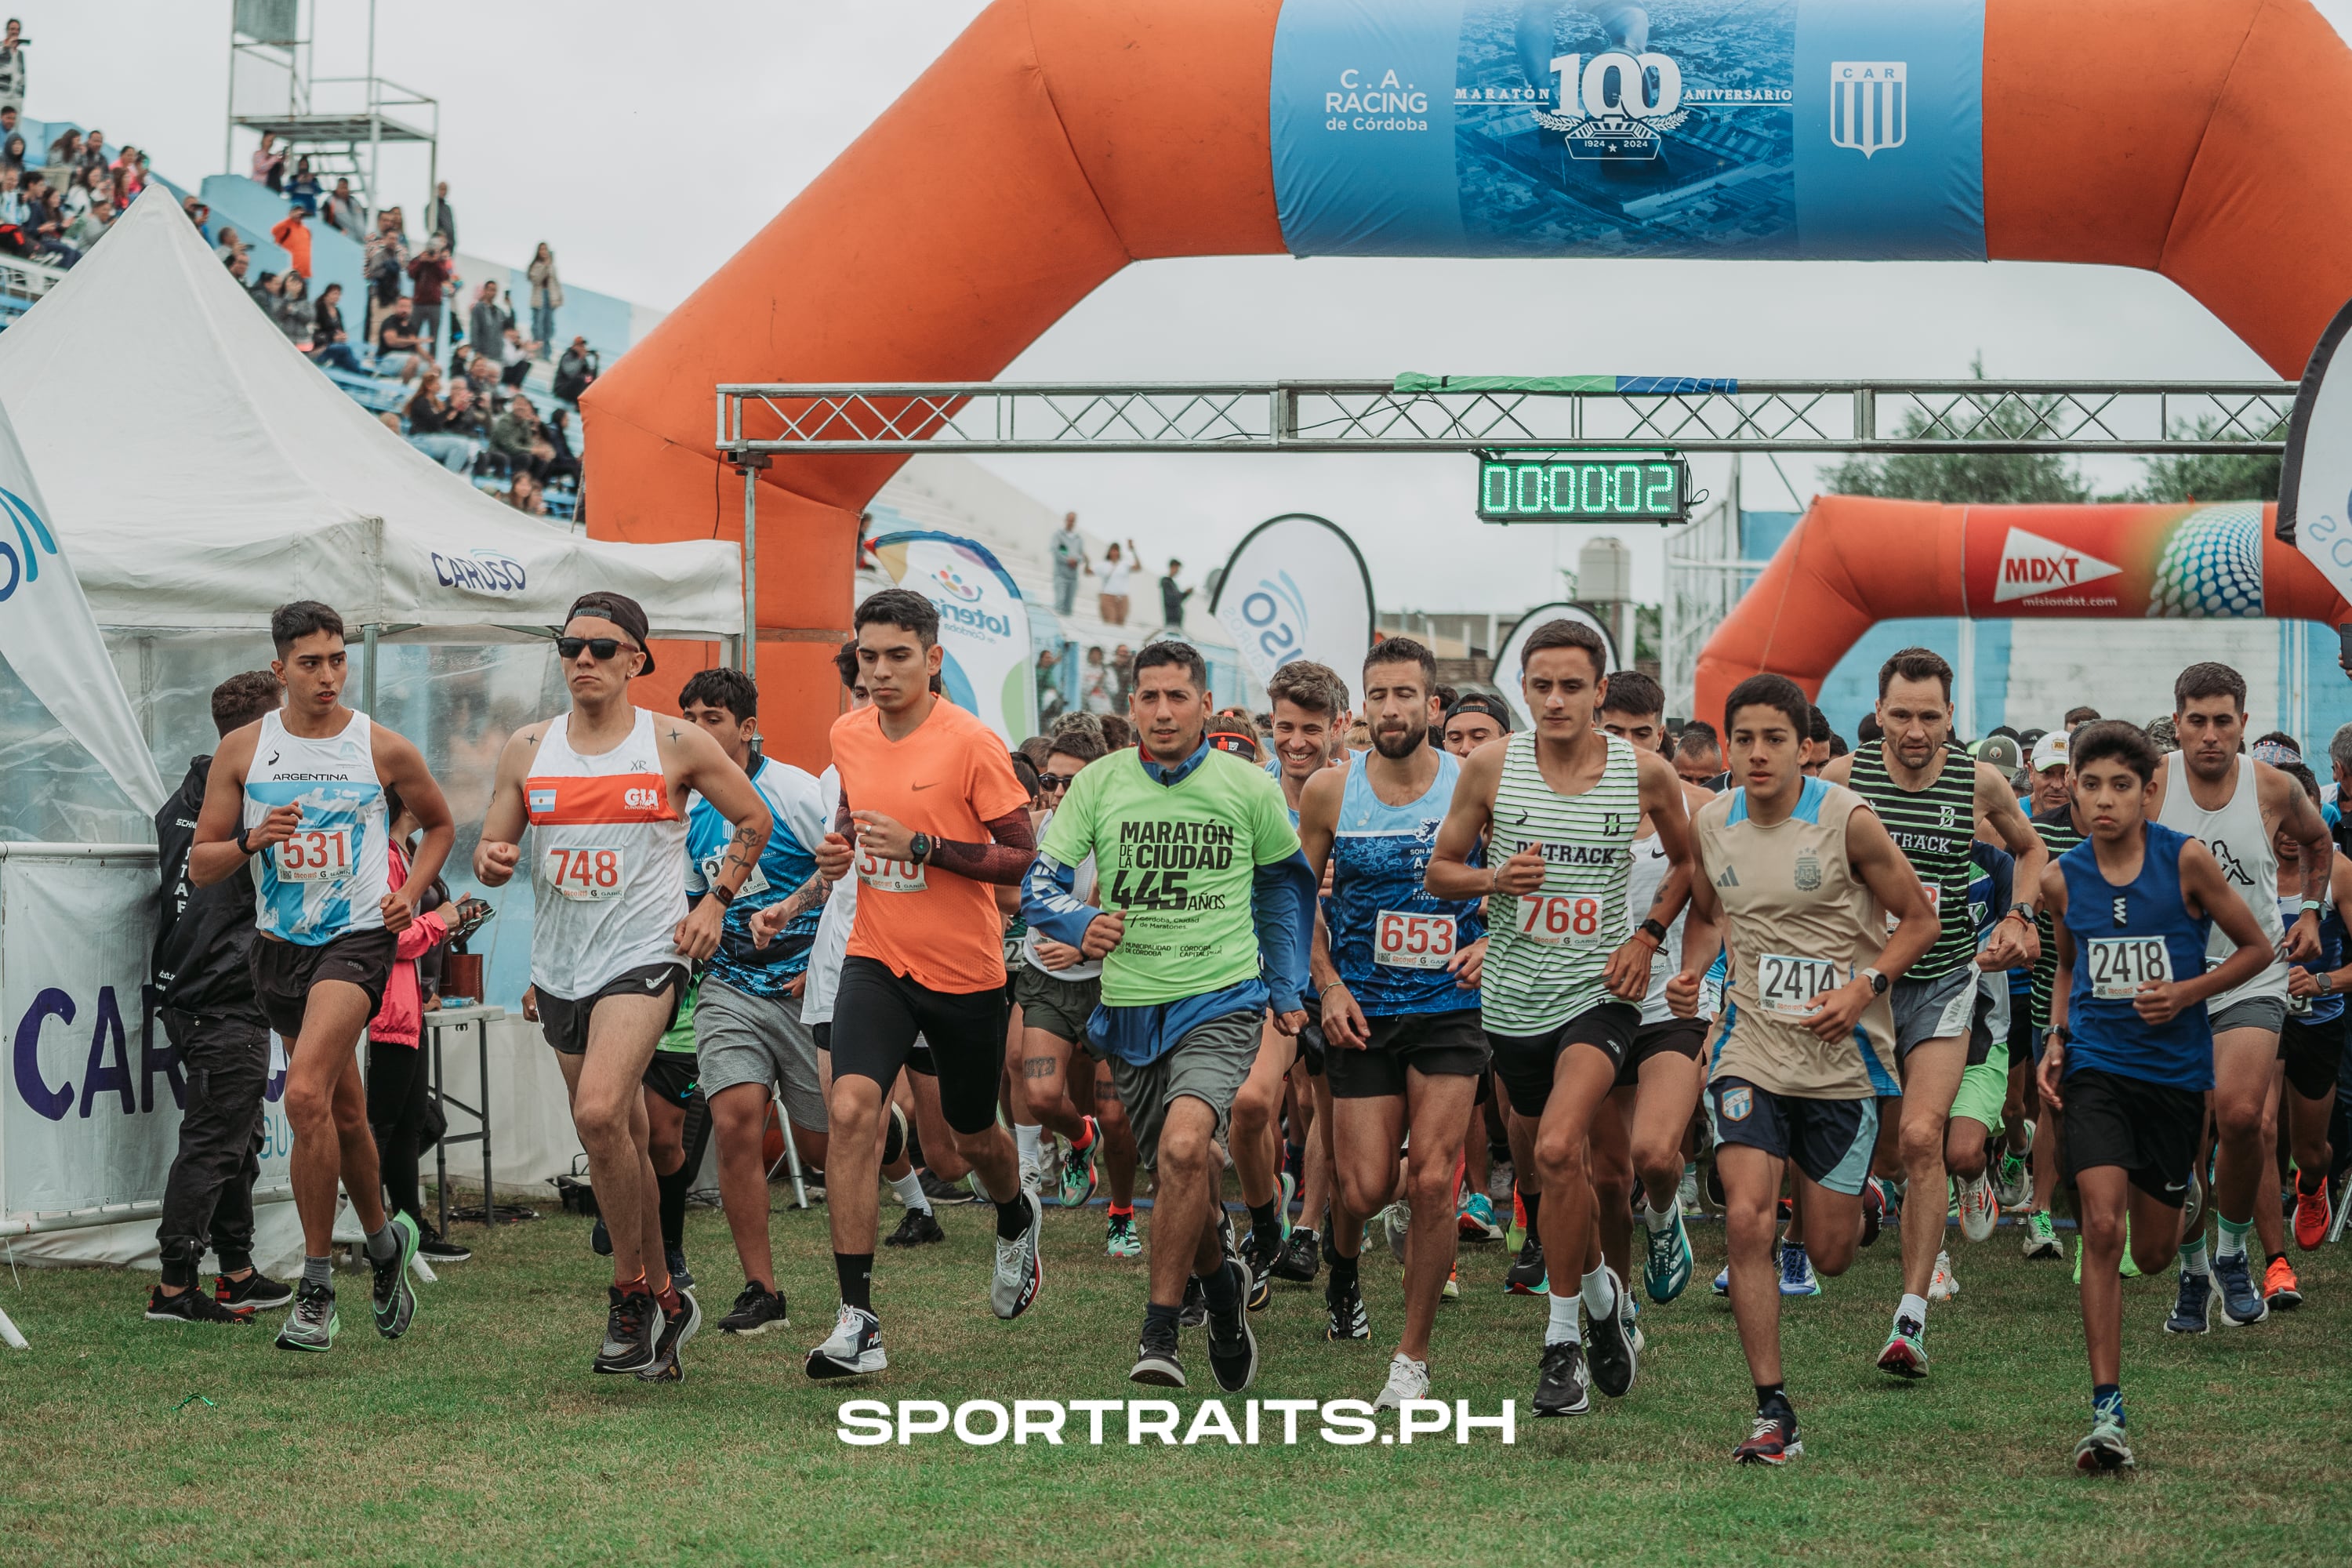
x=1639 y=487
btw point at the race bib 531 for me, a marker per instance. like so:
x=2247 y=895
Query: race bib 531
x=316 y=855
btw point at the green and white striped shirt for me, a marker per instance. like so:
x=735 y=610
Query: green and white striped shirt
x=1933 y=827
x=1545 y=953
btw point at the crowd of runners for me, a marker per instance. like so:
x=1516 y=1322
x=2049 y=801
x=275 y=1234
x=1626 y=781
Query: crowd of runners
x=1354 y=953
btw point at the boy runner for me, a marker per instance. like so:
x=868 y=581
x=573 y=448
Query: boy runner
x=602 y=789
x=2311 y=1054
x=303 y=788
x=2130 y=1053
x=1799 y=875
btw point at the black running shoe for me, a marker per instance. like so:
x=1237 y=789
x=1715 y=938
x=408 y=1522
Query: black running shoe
x=677 y=1327
x=257 y=1292
x=1527 y=1275
x=1195 y=1309
x=437 y=1248
x=755 y=1312
x=630 y=1332
x=920 y=1227
x=190 y=1306
x=1347 y=1319
x=1232 y=1349
x=1559 y=1381
x=940 y=1192
x=1155 y=1356
x=311 y=1325
x=674 y=1259
x=1609 y=1343
x=395 y=1297
x=1301 y=1258
x=1258 y=1257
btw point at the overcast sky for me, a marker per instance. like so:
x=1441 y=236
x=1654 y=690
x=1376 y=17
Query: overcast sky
x=648 y=143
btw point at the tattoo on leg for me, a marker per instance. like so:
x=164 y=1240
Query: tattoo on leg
x=1039 y=1067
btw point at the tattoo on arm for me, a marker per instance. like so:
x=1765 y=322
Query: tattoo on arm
x=804 y=898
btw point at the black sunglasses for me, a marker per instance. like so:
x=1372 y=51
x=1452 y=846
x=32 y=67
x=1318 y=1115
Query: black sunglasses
x=602 y=649
x=1055 y=781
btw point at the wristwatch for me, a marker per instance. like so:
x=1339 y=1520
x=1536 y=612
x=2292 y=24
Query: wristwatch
x=2062 y=1033
x=918 y=849
x=242 y=847
x=1878 y=982
x=2311 y=907
x=1654 y=931
x=726 y=895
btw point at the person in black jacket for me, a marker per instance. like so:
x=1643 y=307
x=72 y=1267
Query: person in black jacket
x=204 y=993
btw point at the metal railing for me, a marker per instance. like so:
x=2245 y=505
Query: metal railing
x=1869 y=417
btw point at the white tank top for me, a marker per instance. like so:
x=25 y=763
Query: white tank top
x=2239 y=841
x=1545 y=953
x=607 y=859
x=1641 y=891
x=331 y=877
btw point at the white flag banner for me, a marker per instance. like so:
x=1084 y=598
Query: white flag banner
x=1297 y=587
x=1513 y=651
x=983 y=626
x=2316 y=484
x=49 y=639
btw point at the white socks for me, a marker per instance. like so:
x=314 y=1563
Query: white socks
x=1913 y=1308
x=1660 y=1221
x=1564 y=1328
x=1031 y=1140
x=1599 y=1298
x=910 y=1188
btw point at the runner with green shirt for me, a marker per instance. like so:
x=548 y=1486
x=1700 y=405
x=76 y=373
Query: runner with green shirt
x=1204 y=906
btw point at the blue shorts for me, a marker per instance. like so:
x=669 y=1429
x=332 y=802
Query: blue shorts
x=1829 y=1140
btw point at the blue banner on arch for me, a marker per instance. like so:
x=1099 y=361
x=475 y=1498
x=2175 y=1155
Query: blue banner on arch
x=1826 y=128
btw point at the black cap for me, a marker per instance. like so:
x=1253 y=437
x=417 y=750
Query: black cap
x=623 y=611
x=1228 y=737
x=1479 y=703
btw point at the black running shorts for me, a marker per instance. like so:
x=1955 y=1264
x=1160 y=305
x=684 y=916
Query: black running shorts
x=284 y=972
x=1525 y=1062
x=876 y=1017
x=2150 y=1129
x=673 y=1075
x=1443 y=1044
x=1674 y=1038
x=564 y=1021
x=2313 y=1051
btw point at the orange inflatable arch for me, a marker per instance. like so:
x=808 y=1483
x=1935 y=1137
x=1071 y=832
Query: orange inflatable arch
x=1057 y=141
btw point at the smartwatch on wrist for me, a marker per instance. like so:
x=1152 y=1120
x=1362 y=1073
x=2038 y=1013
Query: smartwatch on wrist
x=242 y=846
x=1654 y=931
x=1878 y=982
x=918 y=849
x=726 y=895
x=2062 y=1033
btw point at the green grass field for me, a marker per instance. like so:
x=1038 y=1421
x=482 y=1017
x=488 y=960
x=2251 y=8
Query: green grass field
x=483 y=1437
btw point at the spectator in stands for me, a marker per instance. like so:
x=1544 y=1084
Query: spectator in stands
x=293 y=313
x=565 y=463
x=516 y=435
x=486 y=323
x=1171 y=597
x=231 y=244
x=1098 y=688
x=546 y=293
x=292 y=234
x=12 y=46
x=1116 y=571
x=395 y=337
x=82 y=231
x=1122 y=669
x=13 y=207
x=431 y=273
x=1070 y=552
x=342 y=210
x=129 y=175
x=441 y=218
x=12 y=151
x=382 y=261
x=270 y=163
x=8 y=121
x=482 y=375
x=576 y=371
x=195 y=210
x=329 y=343
x=523 y=495
x=466 y=416
x=263 y=292
x=520 y=355
x=65 y=152
x=49 y=238
x=429 y=427
x=302 y=190
x=237 y=264
x=78 y=194
x=93 y=150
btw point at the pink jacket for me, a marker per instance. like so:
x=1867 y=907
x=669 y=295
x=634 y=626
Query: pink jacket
x=402 y=1017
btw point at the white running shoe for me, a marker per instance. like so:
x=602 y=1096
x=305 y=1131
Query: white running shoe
x=1019 y=1273
x=1396 y=1223
x=1944 y=1285
x=1408 y=1379
x=853 y=1350
x=1979 y=1207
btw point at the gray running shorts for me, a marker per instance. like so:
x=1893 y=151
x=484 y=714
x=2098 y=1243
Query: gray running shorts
x=2251 y=1013
x=1210 y=1064
x=1940 y=1009
x=740 y=1039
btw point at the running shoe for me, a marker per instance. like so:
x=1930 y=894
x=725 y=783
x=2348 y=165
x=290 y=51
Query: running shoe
x=940 y=1192
x=1155 y=1357
x=1980 y=1209
x=2193 y=1308
x=437 y=1249
x=1609 y=1342
x=1395 y=1223
x=1258 y=1256
x=916 y=1228
x=311 y=1325
x=393 y=1298
x=1346 y=1318
x=674 y=1259
x=2012 y=1180
x=1452 y=1290
x=1640 y=1343
x=853 y=1350
x=631 y=1328
x=756 y=1310
x=191 y=1306
x=1302 y=1256
x=1943 y=1285
x=1195 y=1309
x=1121 y=1238
x=1475 y=1218
x=2105 y=1450
x=1561 y=1385
x=2241 y=1305
x=1020 y=1272
x=1722 y=1281
x=2041 y=1236
x=2313 y=1215
x=1079 y=1178
x=1527 y=1276
x=1408 y=1379
x=1715 y=1186
x=255 y=1293
x=678 y=1326
x=1771 y=1441
x=1905 y=1353
x=1797 y=1276
x=1233 y=1348
x=1874 y=1209
x=1667 y=1269
x=1287 y=1189
x=2281 y=1292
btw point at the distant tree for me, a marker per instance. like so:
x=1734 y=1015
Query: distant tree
x=2212 y=476
x=1972 y=476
